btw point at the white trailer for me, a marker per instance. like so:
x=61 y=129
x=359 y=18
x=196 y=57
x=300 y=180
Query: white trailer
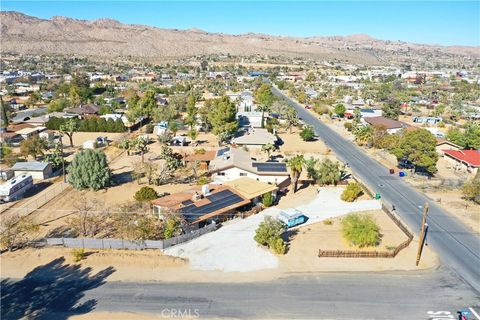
x=14 y=188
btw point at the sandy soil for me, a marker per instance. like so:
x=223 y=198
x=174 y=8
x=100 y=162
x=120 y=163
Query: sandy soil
x=302 y=255
x=80 y=137
x=293 y=144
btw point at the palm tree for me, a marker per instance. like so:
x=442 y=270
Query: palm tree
x=364 y=135
x=296 y=166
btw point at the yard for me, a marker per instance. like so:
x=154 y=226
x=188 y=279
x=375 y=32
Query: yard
x=232 y=248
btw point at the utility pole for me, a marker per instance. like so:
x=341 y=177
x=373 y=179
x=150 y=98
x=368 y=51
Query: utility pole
x=421 y=238
x=63 y=160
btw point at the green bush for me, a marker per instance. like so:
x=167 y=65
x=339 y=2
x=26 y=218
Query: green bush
x=145 y=194
x=172 y=227
x=79 y=254
x=267 y=199
x=471 y=190
x=202 y=180
x=328 y=222
x=320 y=109
x=348 y=126
x=351 y=192
x=278 y=246
x=361 y=230
x=340 y=110
x=89 y=169
x=268 y=230
x=307 y=134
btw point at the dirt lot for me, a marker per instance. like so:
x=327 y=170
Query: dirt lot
x=293 y=144
x=305 y=243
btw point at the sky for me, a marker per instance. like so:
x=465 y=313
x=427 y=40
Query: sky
x=431 y=22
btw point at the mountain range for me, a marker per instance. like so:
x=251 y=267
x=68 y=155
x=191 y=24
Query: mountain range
x=107 y=38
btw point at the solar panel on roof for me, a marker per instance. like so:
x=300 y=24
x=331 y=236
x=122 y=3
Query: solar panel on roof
x=270 y=166
x=221 y=152
x=218 y=200
x=187 y=202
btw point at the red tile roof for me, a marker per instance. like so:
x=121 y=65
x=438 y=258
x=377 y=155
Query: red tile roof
x=472 y=157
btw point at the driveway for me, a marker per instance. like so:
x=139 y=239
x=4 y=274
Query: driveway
x=232 y=248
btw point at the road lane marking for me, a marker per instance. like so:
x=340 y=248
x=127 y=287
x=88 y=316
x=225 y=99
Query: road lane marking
x=474 y=313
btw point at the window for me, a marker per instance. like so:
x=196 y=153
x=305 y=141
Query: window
x=221 y=173
x=243 y=174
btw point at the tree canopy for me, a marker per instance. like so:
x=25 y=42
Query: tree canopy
x=89 y=169
x=222 y=117
x=418 y=146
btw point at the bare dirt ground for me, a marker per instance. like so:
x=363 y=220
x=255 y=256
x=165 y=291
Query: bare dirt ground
x=303 y=250
x=293 y=144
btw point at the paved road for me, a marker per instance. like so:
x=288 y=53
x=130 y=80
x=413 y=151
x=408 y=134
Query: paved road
x=394 y=295
x=457 y=246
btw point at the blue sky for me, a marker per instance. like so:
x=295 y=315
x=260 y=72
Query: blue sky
x=433 y=22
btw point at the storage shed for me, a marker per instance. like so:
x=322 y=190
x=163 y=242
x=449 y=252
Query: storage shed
x=38 y=170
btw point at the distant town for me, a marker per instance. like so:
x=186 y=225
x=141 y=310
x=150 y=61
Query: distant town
x=207 y=167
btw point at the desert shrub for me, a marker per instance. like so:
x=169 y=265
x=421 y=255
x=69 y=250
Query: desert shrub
x=267 y=199
x=164 y=138
x=172 y=226
x=278 y=246
x=361 y=230
x=202 y=180
x=89 y=169
x=145 y=194
x=351 y=192
x=78 y=254
x=471 y=190
x=268 y=230
x=199 y=151
x=307 y=133
x=441 y=124
x=320 y=109
x=327 y=222
x=348 y=126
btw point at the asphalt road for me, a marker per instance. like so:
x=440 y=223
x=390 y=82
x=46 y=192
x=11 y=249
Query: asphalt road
x=458 y=246
x=394 y=295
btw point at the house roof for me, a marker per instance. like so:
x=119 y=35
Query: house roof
x=441 y=141
x=219 y=200
x=250 y=188
x=30 y=130
x=30 y=166
x=207 y=156
x=19 y=126
x=85 y=109
x=258 y=136
x=386 y=122
x=227 y=158
x=471 y=157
